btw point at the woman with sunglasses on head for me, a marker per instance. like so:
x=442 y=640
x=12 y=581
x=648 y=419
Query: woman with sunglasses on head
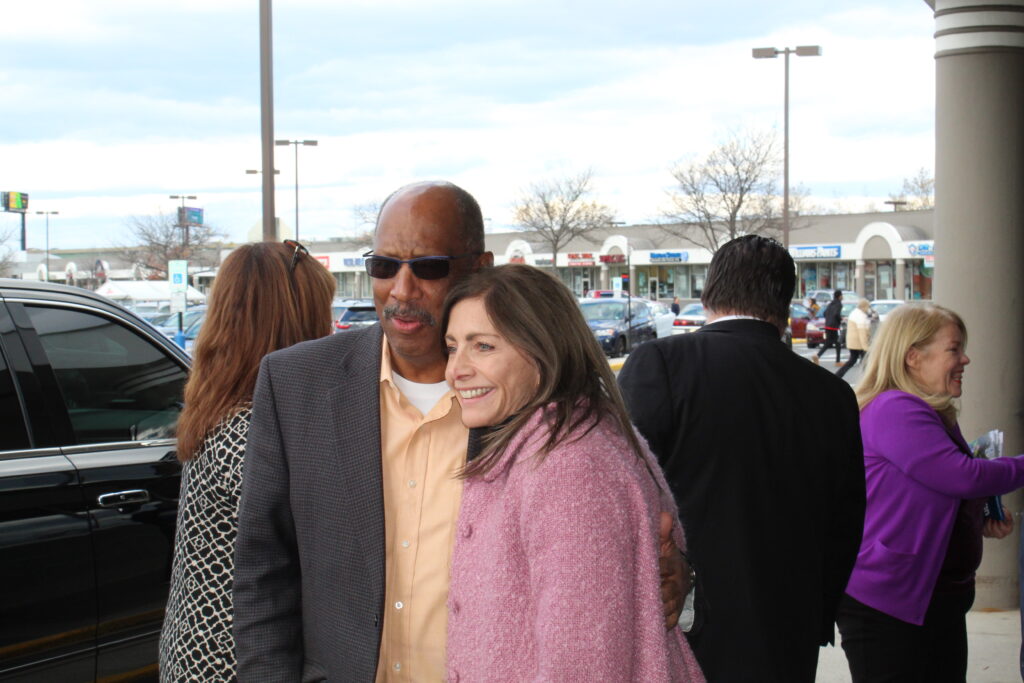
x=903 y=615
x=266 y=297
x=554 y=571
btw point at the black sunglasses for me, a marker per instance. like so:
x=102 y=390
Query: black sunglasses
x=423 y=267
x=299 y=249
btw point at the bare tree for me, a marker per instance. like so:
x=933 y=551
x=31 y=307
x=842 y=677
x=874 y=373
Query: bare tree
x=6 y=254
x=365 y=214
x=160 y=239
x=729 y=193
x=918 y=192
x=558 y=211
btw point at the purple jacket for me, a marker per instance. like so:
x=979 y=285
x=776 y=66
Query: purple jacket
x=555 y=568
x=917 y=474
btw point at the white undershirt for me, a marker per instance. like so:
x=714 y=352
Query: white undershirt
x=423 y=396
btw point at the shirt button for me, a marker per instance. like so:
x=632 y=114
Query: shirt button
x=398 y=666
x=412 y=483
x=455 y=608
x=399 y=605
x=405 y=544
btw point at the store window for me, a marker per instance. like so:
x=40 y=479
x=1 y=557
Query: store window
x=697 y=275
x=808 y=277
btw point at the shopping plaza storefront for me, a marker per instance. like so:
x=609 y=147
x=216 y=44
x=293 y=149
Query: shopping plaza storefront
x=878 y=255
x=879 y=259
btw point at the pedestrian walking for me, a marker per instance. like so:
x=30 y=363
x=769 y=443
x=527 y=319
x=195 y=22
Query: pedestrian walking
x=833 y=321
x=858 y=333
x=675 y=305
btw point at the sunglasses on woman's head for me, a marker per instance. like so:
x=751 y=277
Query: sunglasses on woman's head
x=423 y=267
x=299 y=249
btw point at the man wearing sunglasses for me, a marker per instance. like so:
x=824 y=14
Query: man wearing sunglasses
x=350 y=489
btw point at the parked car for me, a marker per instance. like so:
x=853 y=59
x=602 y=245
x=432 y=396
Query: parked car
x=823 y=296
x=690 y=319
x=356 y=316
x=90 y=395
x=802 y=326
x=339 y=305
x=188 y=317
x=883 y=307
x=619 y=324
x=605 y=294
x=664 y=318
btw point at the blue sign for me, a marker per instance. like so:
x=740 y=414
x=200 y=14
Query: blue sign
x=353 y=262
x=177 y=278
x=188 y=215
x=832 y=251
x=669 y=256
x=921 y=248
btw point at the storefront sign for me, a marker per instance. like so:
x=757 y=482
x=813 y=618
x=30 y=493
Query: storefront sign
x=613 y=258
x=921 y=248
x=581 y=259
x=833 y=251
x=324 y=260
x=670 y=256
x=517 y=257
x=352 y=262
x=542 y=262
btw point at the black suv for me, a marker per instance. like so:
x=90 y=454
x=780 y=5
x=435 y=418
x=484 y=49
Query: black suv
x=89 y=401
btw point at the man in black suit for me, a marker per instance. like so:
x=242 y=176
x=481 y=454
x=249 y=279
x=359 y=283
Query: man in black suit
x=762 y=450
x=341 y=561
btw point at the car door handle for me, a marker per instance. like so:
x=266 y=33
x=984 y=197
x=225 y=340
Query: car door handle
x=122 y=498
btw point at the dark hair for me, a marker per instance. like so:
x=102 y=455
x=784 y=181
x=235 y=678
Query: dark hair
x=256 y=306
x=751 y=275
x=838 y=294
x=472 y=220
x=540 y=317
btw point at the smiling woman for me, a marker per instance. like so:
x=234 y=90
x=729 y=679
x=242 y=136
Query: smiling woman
x=903 y=614
x=563 y=501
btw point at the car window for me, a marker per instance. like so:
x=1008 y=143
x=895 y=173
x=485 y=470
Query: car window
x=13 y=432
x=692 y=309
x=117 y=385
x=600 y=310
x=358 y=315
x=799 y=311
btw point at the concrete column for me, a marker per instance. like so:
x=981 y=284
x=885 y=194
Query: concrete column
x=605 y=279
x=632 y=280
x=979 y=230
x=858 y=277
x=901 y=279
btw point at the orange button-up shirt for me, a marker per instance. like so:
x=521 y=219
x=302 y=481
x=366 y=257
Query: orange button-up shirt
x=421 y=456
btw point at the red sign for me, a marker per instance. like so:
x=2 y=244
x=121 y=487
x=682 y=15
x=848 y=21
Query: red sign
x=613 y=258
x=581 y=259
x=517 y=259
x=324 y=260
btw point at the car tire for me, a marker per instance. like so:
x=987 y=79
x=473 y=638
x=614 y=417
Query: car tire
x=620 y=347
x=812 y=345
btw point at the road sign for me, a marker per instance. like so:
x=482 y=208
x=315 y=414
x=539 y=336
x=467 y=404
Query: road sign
x=190 y=215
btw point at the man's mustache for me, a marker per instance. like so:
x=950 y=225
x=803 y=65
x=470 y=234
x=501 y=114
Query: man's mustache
x=409 y=313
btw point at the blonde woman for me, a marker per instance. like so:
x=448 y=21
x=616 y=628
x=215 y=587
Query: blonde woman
x=858 y=332
x=902 y=617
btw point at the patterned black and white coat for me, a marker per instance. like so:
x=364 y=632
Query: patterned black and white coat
x=196 y=643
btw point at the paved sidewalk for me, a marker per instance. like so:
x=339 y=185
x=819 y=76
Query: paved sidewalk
x=993 y=642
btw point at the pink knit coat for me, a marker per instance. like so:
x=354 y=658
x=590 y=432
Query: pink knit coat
x=555 y=567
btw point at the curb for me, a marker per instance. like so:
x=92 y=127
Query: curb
x=616 y=364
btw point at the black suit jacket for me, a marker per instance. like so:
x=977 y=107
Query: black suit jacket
x=309 y=558
x=762 y=450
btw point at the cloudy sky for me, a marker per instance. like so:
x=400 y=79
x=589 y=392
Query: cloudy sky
x=112 y=105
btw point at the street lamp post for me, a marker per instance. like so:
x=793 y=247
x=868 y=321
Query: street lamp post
x=47 y=214
x=296 y=143
x=182 y=223
x=772 y=53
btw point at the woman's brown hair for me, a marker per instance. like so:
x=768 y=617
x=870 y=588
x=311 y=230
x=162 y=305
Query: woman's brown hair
x=259 y=303
x=540 y=317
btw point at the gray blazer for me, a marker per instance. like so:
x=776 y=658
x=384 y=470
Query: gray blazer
x=309 y=558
